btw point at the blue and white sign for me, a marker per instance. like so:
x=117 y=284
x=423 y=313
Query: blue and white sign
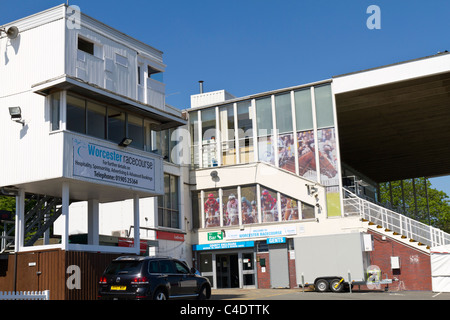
x=276 y=240
x=109 y=165
x=223 y=245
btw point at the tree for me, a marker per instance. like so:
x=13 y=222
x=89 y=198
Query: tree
x=411 y=198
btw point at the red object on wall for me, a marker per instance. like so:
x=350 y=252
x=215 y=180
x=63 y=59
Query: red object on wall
x=164 y=235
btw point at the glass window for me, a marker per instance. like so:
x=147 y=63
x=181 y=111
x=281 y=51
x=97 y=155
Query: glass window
x=208 y=118
x=153 y=267
x=166 y=266
x=136 y=131
x=306 y=155
x=226 y=114
x=266 y=151
x=303 y=110
x=76 y=114
x=264 y=116
x=289 y=208
x=96 y=120
x=269 y=207
x=245 y=132
x=116 y=125
x=168 y=211
x=324 y=106
x=193 y=129
x=86 y=46
x=212 y=209
x=249 y=206
x=230 y=207
x=286 y=152
x=55 y=111
x=283 y=112
x=307 y=211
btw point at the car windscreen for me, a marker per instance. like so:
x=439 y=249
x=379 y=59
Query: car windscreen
x=123 y=267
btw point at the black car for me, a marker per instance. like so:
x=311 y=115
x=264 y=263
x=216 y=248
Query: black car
x=152 y=278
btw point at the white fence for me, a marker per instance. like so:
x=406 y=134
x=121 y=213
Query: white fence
x=396 y=222
x=25 y=295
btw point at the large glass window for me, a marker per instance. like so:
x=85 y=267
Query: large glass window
x=226 y=114
x=245 y=131
x=269 y=207
x=209 y=137
x=249 y=207
x=55 y=104
x=230 y=207
x=324 y=106
x=136 y=131
x=289 y=208
x=76 y=114
x=264 y=116
x=286 y=152
x=303 y=110
x=168 y=204
x=283 y=112
x=96 y=120
x=211 y=208
x=116 y=125
x=193 y=129
x=306 y=155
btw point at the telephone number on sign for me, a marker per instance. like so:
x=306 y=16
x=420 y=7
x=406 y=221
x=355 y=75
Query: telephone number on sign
x=127 y=180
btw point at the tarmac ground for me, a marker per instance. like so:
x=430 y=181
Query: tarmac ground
x=299 y=294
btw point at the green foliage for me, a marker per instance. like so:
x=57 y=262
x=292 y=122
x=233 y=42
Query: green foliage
x=427 y=205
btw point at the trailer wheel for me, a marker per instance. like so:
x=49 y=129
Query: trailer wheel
x=321 y=285
x=336 y=285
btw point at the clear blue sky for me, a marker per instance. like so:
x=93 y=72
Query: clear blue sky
x=251 y=46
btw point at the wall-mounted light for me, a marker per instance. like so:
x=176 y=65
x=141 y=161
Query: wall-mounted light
x=16 y=115
x=11 y=33
x=125 y=142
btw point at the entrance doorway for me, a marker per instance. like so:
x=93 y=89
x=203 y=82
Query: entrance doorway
x=229 y=269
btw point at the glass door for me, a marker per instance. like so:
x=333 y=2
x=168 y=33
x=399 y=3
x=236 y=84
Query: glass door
x=248 y=270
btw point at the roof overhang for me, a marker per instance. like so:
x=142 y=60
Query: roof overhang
x=169 y=118
x=394 y=122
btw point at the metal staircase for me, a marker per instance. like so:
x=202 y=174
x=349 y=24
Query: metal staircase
x=38 y=219
x=393 y=223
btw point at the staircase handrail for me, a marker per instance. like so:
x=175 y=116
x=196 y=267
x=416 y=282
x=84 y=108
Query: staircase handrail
x=394 y=221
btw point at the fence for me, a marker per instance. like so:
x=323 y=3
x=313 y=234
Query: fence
x=25 y=295
x=396 y=222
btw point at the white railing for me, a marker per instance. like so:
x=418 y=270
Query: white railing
x=396 y=222
x=25 y=295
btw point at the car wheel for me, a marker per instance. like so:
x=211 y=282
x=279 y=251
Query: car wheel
x=204 y=293
x=160 y=295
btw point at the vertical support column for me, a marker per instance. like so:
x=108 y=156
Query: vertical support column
x=20 y=220
x=137 y=240
x=93 y=222
x=65 y=216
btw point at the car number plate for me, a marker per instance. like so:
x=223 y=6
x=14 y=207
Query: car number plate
x=119 y=288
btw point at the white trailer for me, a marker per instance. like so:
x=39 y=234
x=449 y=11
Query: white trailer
x=333 y=262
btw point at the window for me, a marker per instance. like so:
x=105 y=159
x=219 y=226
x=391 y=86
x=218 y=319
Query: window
x=168 y=211
x=226 y=114
x=209 y=137
x=116 y=125
x=85 y=46
x=264 y=116
x=54 y=111
x=303 y=110
x=136 y=131
x=283 y=112
x=96 y=120
x=166 y=266
x=181 y=268
x=324 y=106
x=155 y=74
x=76 y=114
x=245 y=131
x=153 y=267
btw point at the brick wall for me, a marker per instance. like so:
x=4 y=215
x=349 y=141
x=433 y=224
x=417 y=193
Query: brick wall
x=415 y=266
